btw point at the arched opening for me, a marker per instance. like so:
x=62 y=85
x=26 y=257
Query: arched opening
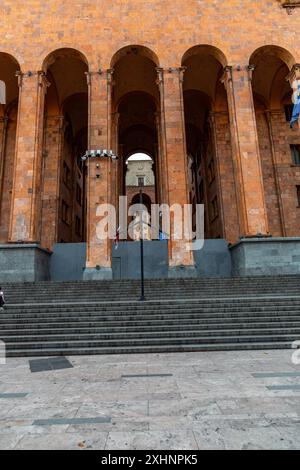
x=135 y=103
x=278 y=144
x=208 y=141
x=65 y=141
x=9 y=95
x=140 y=177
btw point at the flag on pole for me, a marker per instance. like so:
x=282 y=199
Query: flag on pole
x=296 y=110
x=117 y=238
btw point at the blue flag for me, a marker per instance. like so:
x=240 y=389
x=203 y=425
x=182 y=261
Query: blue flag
x=296 y=110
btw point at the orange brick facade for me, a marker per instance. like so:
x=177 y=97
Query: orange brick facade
x=209 y=81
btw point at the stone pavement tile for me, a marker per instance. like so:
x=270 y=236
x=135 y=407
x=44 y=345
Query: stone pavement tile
x=269 y=366
x=294 y=403
x=42 y=412
x=194 y=409
x=162 y=385
x=9 y=442
x=291 y=435
x=25 y=426
x=178 y=372
x=126 y=409
x=282 y=419
x=133 y=389
x=81 y=398
x=152 y=440
x=248 y=438
x=66 y=441
x=116 y=424
x=7 y=407
x=86 y=388
x=254 y=405
x=151 y=396
x=161 y=423
x=200 y=359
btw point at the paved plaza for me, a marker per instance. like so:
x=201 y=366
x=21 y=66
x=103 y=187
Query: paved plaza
x=188 y=401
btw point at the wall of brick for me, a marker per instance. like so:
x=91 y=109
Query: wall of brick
x=169 y=29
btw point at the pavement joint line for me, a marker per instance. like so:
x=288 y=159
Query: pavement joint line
x=283 y=387
x=145 y=375
x=71 y=421
x=263 y=375
x=13 y=395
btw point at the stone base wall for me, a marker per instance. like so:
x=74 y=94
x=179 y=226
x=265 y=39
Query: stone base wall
x=24 y=263
x=266 y=257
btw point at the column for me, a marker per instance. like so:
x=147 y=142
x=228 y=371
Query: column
x=276 y=121
x=3 y=129
x=158 y=162
x=115 y=173
x=54 y=132
x=219 y=122
x=98 y=264
x=246 y=158
x=175 y=169
x=26 y=194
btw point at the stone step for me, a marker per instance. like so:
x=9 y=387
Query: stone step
x=66 y=351
x=164 y=341
x=151 y=335
x=150 y=317
x=263 y=302
x=179 y=315
x=163 y=325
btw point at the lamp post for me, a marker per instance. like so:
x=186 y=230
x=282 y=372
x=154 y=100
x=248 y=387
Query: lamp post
x=142 y=298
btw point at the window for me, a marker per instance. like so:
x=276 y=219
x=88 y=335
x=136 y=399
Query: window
x=211 y=171
x=295 y=153
x=288 y=110
x=298 y=195
x=66 y=175
x=78 y=194
x=141 y=180
x=78 y=225
x=201 y=191
x=214 y=211
x=65 y=212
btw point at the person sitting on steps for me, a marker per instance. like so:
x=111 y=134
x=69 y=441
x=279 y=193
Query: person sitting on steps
x=2 y=300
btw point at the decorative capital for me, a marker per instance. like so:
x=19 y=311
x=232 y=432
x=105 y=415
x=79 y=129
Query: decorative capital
x=160 y=75
x=290 y=5
x=42 y=80
x=40 y=75
x=251 y=69
x=105 y=74
x=226 y=77
x=169 y=70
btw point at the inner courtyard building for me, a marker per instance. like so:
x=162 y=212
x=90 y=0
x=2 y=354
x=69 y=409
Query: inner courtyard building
x=194 y=117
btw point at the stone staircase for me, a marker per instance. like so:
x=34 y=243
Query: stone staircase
x=44 y=319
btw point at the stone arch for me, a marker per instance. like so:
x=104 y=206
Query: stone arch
x=272 y=50
x=134 y=49
x=206 y=49
x=271 y=65
x=65 y=140
x=208 y=147
x=136 y=103
x=61 y=53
